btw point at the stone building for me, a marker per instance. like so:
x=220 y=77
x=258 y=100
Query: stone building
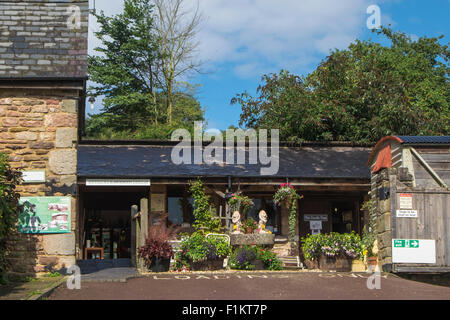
x=43 y=73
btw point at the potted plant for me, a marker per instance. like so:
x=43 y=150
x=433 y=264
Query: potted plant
x=157 y=251
x=254 y=258
x=249 y=225
x=202 y=253
x=332 y=251
x=368 y=241
x=240 y=202
x=287 y=195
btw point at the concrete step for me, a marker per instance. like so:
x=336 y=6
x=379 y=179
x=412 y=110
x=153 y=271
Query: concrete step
x=93 y=265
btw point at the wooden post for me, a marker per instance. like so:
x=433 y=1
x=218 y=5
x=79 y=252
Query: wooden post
x=144 y=226
x=134 y=242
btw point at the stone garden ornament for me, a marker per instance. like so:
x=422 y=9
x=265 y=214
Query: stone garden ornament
x=236 y=219
x=262 y=221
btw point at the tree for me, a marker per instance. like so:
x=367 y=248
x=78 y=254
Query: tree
x=176 y=30
x=127 y=72
x=124 y=72
x=9 y=208
x=359 y=94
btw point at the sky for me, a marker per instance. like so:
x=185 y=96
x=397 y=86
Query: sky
x=241 y=40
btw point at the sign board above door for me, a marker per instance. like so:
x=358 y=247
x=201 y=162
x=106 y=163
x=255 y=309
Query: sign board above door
x=315 y=217
x=118 y=182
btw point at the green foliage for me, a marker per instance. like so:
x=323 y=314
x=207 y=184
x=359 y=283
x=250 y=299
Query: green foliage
x=197 y=247
x=204 y=213
x=332 y=245
x=243 y=257
x=286 y=193
x=359 y=94
x=9 y=199
x=239 y=201
x=249 y=223
x=125 y=74
x=369 y=232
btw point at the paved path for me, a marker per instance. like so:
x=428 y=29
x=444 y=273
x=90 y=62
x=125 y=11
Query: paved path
x=110 y=275
x=255 y=286
x=28 y=289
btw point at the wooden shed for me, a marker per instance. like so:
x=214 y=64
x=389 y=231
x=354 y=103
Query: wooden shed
x=410 y=178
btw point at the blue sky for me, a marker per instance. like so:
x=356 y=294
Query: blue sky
x=241 y=40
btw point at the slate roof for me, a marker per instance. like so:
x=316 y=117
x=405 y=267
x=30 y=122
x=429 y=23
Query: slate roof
x=425 y=139
x=143 y=161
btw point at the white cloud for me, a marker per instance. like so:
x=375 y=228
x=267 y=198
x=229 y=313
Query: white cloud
x=260 y=35
x=253 y=34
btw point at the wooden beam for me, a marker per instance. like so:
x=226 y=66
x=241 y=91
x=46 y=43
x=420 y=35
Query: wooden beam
x=428 y=168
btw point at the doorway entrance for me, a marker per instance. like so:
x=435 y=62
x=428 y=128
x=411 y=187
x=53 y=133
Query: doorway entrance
x=106 y=227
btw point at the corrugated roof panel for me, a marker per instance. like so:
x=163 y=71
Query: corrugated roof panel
x=425 y=139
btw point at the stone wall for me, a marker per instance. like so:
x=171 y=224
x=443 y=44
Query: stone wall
x=39 y=132
x=42 y=38
x=383 y=222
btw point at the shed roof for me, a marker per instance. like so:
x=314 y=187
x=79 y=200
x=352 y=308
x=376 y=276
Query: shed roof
x=425 y=139
x=147 y=161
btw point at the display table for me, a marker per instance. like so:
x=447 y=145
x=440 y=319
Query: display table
x=93 y=250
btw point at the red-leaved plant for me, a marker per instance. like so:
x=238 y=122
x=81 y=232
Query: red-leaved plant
x=157 y=243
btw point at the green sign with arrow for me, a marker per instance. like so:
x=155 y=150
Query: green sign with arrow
x=399 y=243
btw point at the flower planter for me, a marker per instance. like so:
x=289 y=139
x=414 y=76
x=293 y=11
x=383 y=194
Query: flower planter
x=206 y=265
x=312 y=264
x=266 y=239
x=160 y=265
x=358 y=266
x=258 y=264
x=372 y=261
x=335 y=264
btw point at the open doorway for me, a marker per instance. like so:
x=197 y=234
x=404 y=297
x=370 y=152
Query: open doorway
x=107 y=224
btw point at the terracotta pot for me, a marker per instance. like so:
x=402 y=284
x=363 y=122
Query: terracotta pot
x=249 y=230
x=372 y=261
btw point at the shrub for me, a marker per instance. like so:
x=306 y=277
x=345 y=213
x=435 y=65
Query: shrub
x=205 y=219
x=9 y=207
x=197 y=247
x=332 y=245
x=242 y=258
x=157 y=243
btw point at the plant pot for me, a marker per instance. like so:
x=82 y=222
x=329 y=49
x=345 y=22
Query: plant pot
x=312 y=264
x=258 y=264
x=372 y=261
x=358 y=266
x=249 y=230
x=160 y=265
x=207 y=265
x=342 y=264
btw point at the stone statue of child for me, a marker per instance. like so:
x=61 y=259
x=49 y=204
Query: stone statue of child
x=237 y=224
x=262 y=221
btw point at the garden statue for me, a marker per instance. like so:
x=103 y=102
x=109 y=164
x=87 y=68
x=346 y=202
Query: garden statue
x=262 y=222
x=236 y=219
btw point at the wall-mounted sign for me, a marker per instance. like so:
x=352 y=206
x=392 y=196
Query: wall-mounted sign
x=315 y=225
x=118 y=182
x=406 y=213
x=33 y=176
x=406 y=201
x=157 y=202
x=413 y=251
x=45 y=214
x=315 y=217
